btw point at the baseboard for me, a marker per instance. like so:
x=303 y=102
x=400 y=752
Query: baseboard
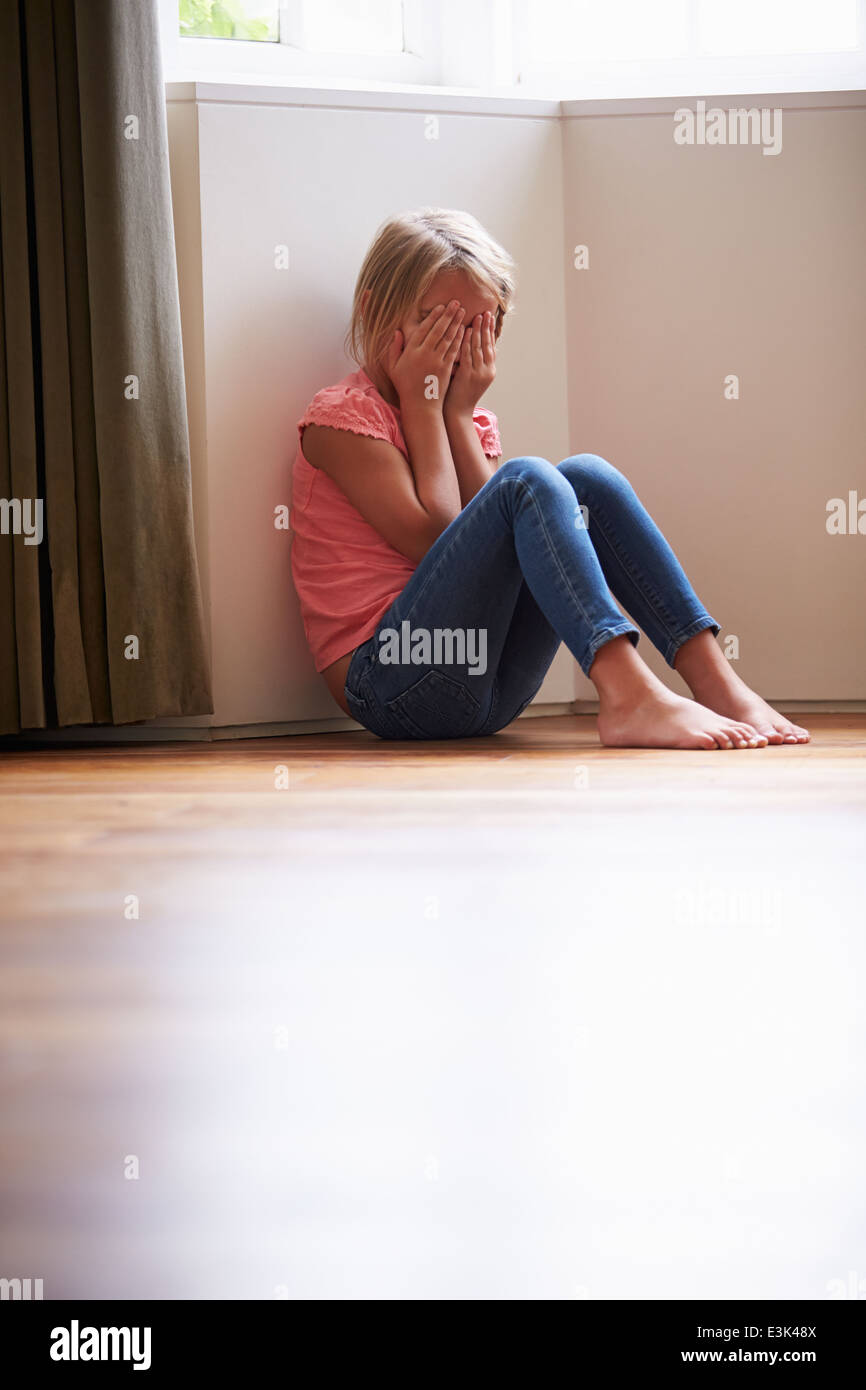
x=804 y=707
x=165 y=732
x=179 y=733
x=184 y=733
x=342 y=725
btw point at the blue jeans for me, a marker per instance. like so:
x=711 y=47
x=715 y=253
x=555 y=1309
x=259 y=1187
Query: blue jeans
x=466 y=645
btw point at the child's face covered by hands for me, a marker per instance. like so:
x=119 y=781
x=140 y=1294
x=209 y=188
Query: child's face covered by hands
x=474 y=301
x=471 y=313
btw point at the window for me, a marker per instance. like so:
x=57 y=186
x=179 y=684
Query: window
x=559 y=49
x=795 y=26
x=389 y=41
x=254 y=20
x=608 y=48
x=350 y=26
x=326 y=26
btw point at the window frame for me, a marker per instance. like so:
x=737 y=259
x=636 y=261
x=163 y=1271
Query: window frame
x=204 y=59
x=477 y=45
x=693 y=74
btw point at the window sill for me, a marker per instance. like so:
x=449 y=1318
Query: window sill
x=251 y=89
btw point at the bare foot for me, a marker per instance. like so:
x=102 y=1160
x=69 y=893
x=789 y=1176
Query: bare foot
x=731 y=696
x=661 y=719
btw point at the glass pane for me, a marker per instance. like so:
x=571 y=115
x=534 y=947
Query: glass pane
x=231 y=19
x=777 y=26
x=586 y=31
x=353 y=26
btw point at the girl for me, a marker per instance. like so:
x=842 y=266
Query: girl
x=436 y=585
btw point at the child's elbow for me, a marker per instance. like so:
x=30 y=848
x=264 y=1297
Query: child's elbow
x=425 y=535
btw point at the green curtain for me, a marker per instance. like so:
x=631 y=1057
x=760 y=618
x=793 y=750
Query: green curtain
x=101 y=620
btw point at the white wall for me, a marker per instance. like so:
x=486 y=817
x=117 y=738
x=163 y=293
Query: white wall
x=708 y=260
x=704 y=261
x=320 y=179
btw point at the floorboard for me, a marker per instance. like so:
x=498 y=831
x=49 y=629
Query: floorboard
x=514 y=1017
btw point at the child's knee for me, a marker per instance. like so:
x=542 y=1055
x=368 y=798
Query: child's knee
x=586 y=472
x=526 y=466
x=532 y=477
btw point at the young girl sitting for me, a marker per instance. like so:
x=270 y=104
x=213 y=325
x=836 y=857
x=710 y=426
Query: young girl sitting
x=436 y=583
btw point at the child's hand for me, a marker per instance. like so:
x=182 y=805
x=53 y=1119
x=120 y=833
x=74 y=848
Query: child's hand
x=420 y=366
x=477 y=366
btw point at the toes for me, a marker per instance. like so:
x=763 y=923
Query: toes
x=757 y=739
x=705 y=740
x=771 y=734
x=791 y=733
x=738 y=736
x=753 y=738
x=721 y=737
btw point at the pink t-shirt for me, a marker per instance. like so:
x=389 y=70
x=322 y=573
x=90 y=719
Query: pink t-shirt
x=345 y=574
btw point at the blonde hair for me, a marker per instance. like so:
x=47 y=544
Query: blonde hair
x=407 y=253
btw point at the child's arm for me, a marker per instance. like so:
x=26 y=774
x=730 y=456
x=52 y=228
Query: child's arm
x=409 y=504
x=419 y=366
x=379 y=483
x=472 y=465
x=475 y=373
x=429 y=449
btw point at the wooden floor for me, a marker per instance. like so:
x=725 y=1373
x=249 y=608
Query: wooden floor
x=515 y=1017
